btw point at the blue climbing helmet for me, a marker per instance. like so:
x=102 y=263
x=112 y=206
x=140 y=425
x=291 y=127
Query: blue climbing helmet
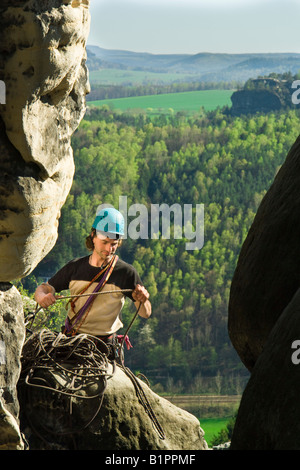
x=109 y=222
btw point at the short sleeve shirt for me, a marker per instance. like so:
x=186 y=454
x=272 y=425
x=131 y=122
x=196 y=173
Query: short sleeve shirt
x=104 y=316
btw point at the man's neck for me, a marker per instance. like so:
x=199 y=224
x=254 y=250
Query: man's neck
x=98 y=261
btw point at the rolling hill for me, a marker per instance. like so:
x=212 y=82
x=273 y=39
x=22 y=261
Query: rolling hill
x=203 y=66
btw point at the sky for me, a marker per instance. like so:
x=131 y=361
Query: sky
x=193 y=26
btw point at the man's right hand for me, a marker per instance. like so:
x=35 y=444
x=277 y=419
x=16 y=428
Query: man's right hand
x=47 y=300
x=44 y=295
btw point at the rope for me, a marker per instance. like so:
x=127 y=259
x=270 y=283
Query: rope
x=52 y=349
x=77 y=358
x=138 y=388
x=62 y=297
x=144 y=401
x=128 y=329
x=32 y=315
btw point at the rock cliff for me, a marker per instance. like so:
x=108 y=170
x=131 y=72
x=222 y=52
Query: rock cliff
x=42 y=64
x=11 y=343
x=269 y=409
x=253 y=101
x=267 y=272
x=263 y=318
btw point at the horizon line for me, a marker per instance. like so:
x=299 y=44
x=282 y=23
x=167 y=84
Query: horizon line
x=191 y=53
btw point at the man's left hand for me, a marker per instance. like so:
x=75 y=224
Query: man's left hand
x=140 y=294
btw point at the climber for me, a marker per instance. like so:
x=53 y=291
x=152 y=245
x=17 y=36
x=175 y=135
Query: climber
x=102 y=270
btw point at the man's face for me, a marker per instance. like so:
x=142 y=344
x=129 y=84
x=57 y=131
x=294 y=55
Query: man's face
x=105 y=247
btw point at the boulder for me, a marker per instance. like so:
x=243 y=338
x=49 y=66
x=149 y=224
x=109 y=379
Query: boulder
x=114 y=410
x=267 y=273
x=42 y=63
x=125 y=425
x=12 y=334
x=268 y=414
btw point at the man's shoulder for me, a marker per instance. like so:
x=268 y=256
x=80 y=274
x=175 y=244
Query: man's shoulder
x=125 y=275
x=81 y=260
x=121 y=264
x=73 y=264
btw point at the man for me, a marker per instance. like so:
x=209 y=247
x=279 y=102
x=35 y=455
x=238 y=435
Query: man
x=98 y=315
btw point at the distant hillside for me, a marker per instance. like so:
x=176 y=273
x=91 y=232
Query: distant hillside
x=202 y=66
x=135 y=60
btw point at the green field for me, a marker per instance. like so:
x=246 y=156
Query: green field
x=190 y=101
x=212 y=427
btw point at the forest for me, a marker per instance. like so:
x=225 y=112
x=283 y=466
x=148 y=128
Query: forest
x=103 y=92
x=225 y=163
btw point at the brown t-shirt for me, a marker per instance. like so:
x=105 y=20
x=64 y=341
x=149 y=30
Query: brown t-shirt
x=104 y=315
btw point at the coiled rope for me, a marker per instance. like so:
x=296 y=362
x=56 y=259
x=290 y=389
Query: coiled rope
x=80 y=363
x=46 y=349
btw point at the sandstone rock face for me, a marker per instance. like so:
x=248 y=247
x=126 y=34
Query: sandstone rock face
x=12 y=333
x=252 y=101
x=122 y=423
x=269 y=414
x=132 y=428
x=267 y=273
x=42 y=63
x=73 y=398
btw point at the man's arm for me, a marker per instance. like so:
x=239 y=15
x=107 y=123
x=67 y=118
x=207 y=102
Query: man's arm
x=140 y=294
x=45 y=295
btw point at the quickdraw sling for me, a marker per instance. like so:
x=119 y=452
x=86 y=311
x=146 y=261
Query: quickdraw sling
x=73 y=325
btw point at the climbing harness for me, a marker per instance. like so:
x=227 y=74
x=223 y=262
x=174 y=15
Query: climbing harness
x=67 y=365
